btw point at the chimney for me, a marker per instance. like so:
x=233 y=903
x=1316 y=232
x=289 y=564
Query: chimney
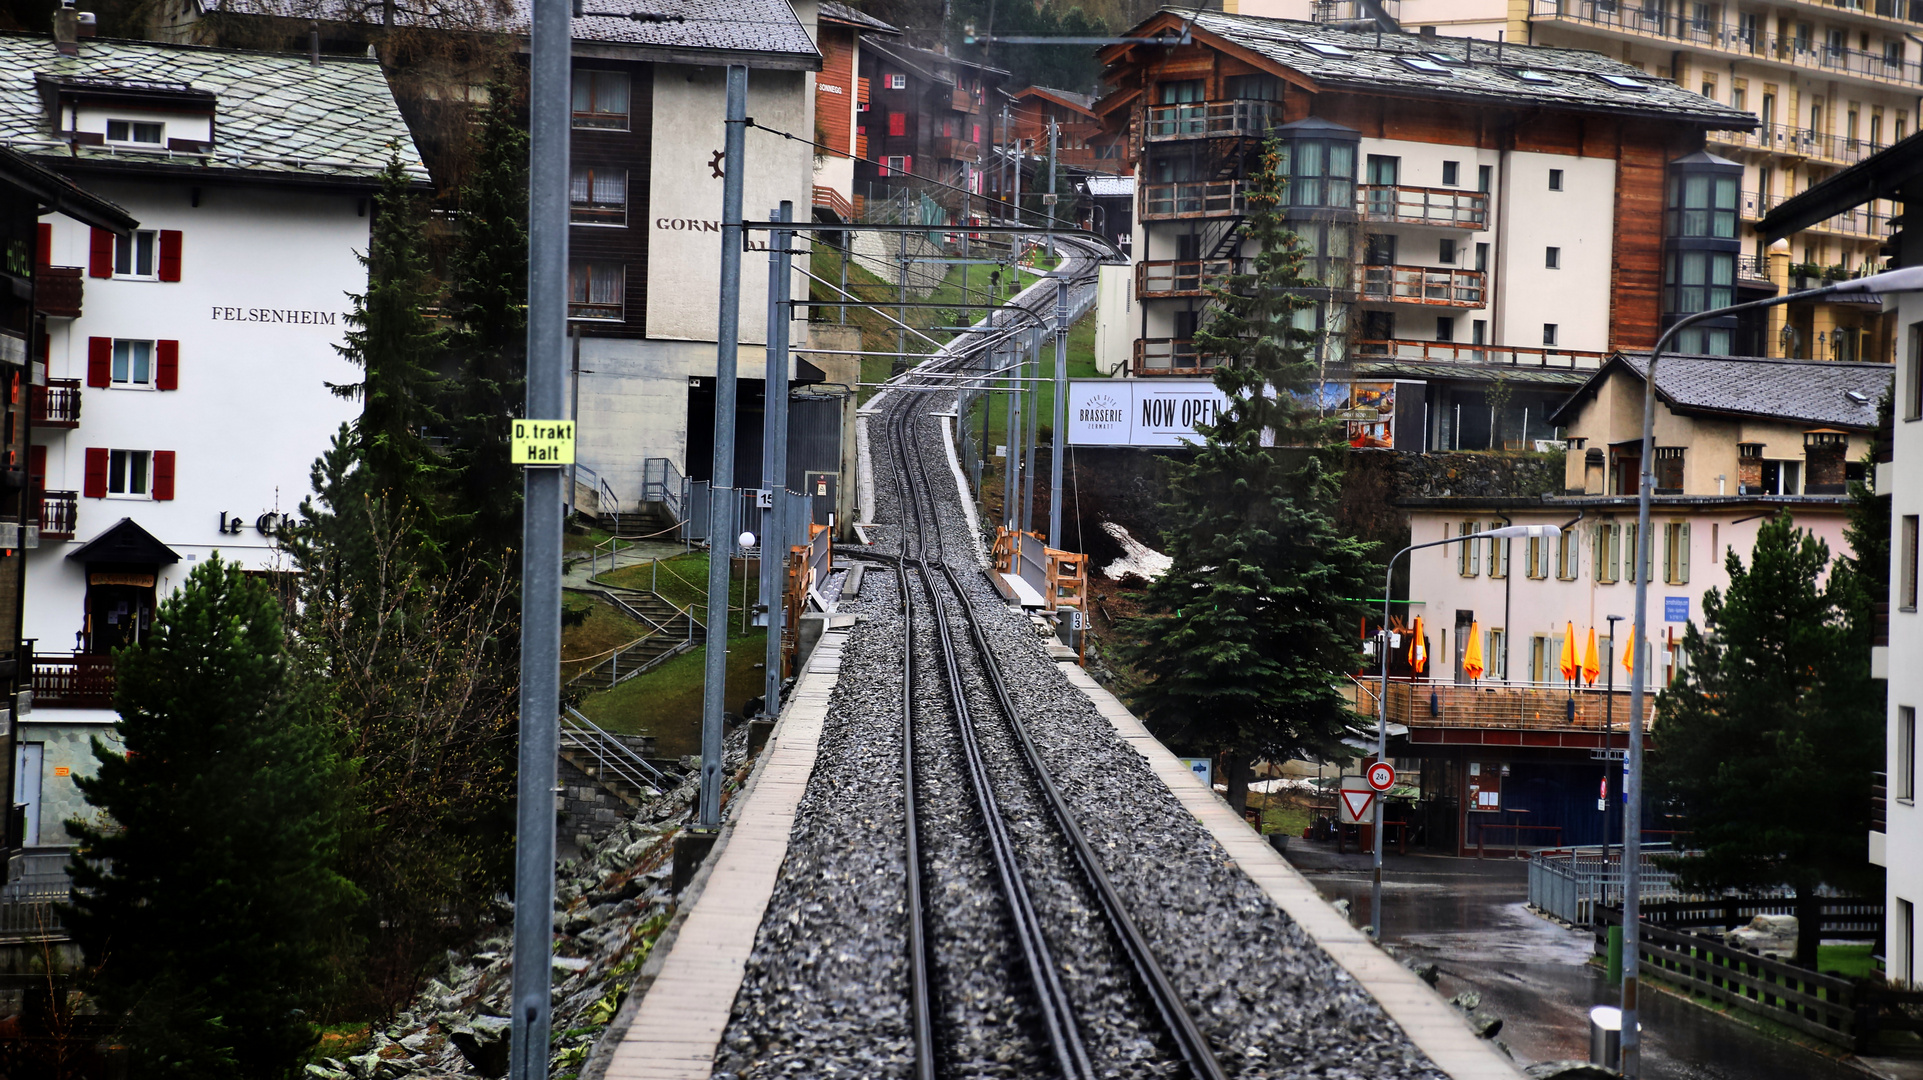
x=66 y=29
x=314 y=42
x=1825 y=462
x=88 y=25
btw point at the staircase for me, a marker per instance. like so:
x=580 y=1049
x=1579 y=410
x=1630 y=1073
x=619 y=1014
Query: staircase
x=650 y=520
x=674 y=632
x=605 y=776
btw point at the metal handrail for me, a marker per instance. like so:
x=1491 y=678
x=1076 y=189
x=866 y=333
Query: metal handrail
x=611 y=753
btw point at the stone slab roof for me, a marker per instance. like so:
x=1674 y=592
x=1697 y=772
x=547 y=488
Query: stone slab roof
x=1817 y=392
x=842 y=13
x=1465 y=69
x=275 y=113
x=1100 y=185
x=1520 y=374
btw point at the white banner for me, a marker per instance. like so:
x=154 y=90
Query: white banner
x=1140 y=412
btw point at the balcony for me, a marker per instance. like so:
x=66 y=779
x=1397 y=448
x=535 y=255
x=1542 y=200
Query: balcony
x=1505 y=713
x=1651 y=21
x=59 y=510
x=961 y=99
x=1434 y=286
x=1189 y=278
x=1171 y=356
x=57 y=404
x=1209 y=120
x=72 y=681
x=1193 y=199
x=1449 y=208
x=1450 y=352
x=957 y=149
x=57 y=291
x=1799 y=142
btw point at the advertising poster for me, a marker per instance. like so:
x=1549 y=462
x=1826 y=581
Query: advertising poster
x=1140 y=412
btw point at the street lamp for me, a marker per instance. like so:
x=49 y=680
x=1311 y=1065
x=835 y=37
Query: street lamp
x=1506 y=532
x=1906 y=279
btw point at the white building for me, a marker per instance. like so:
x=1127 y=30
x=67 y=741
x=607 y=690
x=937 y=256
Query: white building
x=179 y=413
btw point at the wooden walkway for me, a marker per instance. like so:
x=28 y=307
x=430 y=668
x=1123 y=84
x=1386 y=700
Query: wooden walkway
x=1435 y=1027
x=678 y=1026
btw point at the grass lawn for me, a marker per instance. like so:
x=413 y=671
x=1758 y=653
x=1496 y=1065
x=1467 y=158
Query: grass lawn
x=604 y=628
x=1286 y=818
x=666 y=702
x=1850 y=961
x=1081 y=365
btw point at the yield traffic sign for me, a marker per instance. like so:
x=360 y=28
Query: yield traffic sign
x=1357 y=804
x=1382 y=776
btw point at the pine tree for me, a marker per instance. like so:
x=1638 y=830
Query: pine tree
x=1765 y=746
x=487 y=304
x=1252 y=626
x=208 y=905
x=392 y=336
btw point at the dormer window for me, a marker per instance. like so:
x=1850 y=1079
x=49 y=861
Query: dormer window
x=136 y=132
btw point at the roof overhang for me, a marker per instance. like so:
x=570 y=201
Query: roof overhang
x=125 y=542
x=61 y=195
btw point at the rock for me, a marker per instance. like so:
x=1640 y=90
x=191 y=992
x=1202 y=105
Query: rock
x=364 y=1066
x=321 y=1072
x=1341 y=906
x=483 y=1041
x=1467 y=1001
x=1484 y=1025
x=1771 y=935
x=1569 y=1070
x=1425 y=971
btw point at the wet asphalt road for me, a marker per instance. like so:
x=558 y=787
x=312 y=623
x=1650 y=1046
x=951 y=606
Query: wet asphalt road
x=1470 y=917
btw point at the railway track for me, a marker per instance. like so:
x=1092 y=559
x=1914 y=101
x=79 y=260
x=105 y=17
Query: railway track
x=1095 y=997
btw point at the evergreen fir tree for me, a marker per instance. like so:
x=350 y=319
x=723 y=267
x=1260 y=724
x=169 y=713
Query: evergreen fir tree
x=487 y=304
x=208 y=904
x=1767 y=742
x=393 y=338
x=1251 y=628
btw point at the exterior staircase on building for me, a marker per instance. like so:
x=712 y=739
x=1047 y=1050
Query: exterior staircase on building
x=648 y=520
x=605 y=776
x=673 y=632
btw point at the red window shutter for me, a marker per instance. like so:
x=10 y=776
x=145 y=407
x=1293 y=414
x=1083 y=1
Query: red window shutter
x=43 y=254
x=897 y=123
x=100 y=254
x=37 y=467
x=95 y=486
x=100 y=360
x=170 y=254
x=167 y=365
x=907 y=166
x=163 y=475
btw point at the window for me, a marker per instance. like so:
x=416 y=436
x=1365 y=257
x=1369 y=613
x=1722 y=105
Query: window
x=1449 y=173
x=895 y=165
x=1482 y=257
x=1630 y=547
x=1782 y=477
x=1669 y=470
x=1321 y=172
x=1323 y=48
x=1445 y=328
x=1379 y=249
x=134 y=254
x=1552 y=258
x=1676 y=553
x=1555 y=179
x=1424 y=65
x=1739 y=98
x=1906 y=572
x=129 y=472
x=1702 y=205
x=1709 y=89
x=133 y=364
x=1468 y=562
x=1446 y=251
x=897 y=81
x=1906 y=753
x=1568 y=555
x=1548 y=333
x=135 y=132
x=1539 y=664
x=1495 y=653
x=1484 y=175
x=1608 y=553
x=1906 y=943
x=1498 y=557
x=897 y=123
x=1913 y=376
x=596 y=290
x=1478 y=331
x=598 y=196
x=601 y=99
x=1538 y=564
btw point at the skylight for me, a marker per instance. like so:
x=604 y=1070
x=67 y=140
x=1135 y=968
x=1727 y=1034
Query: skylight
x=1323 y=48
x=1529 y=76
x=1445 y=58
x=1624 y=82
x=1427 y=67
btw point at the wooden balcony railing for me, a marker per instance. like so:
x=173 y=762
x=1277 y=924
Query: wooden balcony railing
x=59 y=512
x=834 y=200
x=957 y=149
x=1500 y=705
x=73 y=681
x=1455 y=352
x=57 y=404
x=1193 y=199
x=1450 y=208
x=1209 y=120
x=57 y=291
x=961 y=99
x=1187 y=278
x=1440 y=286
x=1171 y=356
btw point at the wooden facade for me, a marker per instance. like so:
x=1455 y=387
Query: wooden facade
x=623 y=241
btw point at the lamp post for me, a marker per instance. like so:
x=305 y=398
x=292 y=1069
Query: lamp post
x=1382 y=697
x=1609 y=735
x=1906 y=279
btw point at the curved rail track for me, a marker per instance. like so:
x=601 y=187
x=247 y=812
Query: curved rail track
x=936 y=603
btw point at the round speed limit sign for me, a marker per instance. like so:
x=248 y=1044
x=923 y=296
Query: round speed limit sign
x=1382 y=776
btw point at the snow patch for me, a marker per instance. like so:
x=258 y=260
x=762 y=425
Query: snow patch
x=1137 y=558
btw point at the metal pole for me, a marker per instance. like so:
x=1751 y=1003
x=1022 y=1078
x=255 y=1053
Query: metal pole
x=549 y=120
x=901 y=295
x=721 y=526
x=1060 y=419
x=1381 y=748
x=1633 y=791
x=1033 y=433
x=574 y=414
x=774 y=525
x=1053 y=131
x=1012 y=459
x=1612 y=791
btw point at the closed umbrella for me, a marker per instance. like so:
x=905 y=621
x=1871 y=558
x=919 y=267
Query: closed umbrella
x=1591 y=667
x=1418 y=649
x=1472 y=652
x=1571 y=665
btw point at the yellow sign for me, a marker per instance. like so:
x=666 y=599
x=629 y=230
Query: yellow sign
x=542 y=442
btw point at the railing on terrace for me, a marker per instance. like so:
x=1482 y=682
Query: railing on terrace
x=661 y=482
x=1171 y=356
x=831 y=199
x=1752 y=267
x=1879 y=802
x=1185 y=278
x=1574 y=883
x=73 y=681
x=1653 y=20
x=1207 y=120
x=1438 y=286
x=1193 y=199
x=57 y=404
x=37 y=879
x=1501 y=705
x=1799 y=142
x=1404 y=205
x=1451 y=352
x=1325 y=11
x=59 y=514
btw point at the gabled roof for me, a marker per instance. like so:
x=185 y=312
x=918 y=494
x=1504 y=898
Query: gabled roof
x=1794 y=391
x=275 y=113
x=1100 y=186
x=842 y=13
x=1066 y=98
x=760 y=33
x=125 y=542
x=1323 y=57
x=21 y=173
x=929 y=64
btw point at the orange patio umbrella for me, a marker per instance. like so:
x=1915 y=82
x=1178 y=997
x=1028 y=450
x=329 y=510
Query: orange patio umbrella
x=1571 y=665
x=1418 y=650
x=1591 y=666
x=1472 y=652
